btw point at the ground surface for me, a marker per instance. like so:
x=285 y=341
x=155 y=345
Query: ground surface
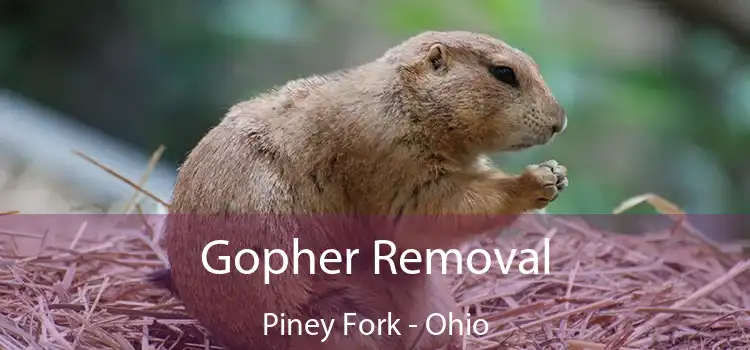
x=660 y=290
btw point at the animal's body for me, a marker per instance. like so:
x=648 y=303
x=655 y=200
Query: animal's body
x=406 y=134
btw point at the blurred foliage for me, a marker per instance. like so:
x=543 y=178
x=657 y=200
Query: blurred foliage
x=164 y=72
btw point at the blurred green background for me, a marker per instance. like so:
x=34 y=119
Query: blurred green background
x=657 y=91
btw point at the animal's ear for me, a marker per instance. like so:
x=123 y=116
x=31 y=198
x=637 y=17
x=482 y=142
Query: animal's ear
x=437 y=56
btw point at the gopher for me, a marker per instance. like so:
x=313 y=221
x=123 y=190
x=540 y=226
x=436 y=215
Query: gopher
x=404 y=136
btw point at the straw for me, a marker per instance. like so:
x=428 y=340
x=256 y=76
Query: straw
x=658 y=290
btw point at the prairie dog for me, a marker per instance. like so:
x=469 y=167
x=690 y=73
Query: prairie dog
x=406 y=134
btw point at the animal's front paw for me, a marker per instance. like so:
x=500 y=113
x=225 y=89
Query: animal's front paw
x=542 y=183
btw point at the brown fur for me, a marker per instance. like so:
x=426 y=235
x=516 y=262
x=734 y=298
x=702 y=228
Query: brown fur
x=407 y=133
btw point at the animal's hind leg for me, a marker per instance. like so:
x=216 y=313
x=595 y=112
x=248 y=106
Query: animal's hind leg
x=352 y=339
x=348 y=304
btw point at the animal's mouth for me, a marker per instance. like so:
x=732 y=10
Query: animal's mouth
x=531 y=141
x=520 y=146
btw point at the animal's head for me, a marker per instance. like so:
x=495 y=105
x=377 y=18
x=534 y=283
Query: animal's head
x=478 y=89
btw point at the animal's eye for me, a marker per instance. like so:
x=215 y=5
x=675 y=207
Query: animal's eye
x=504 y=74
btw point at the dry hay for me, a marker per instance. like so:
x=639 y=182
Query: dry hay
x=669 y=289
x=662 y=290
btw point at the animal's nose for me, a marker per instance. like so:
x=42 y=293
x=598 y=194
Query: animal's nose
x=560 y=117
x=560 y=126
